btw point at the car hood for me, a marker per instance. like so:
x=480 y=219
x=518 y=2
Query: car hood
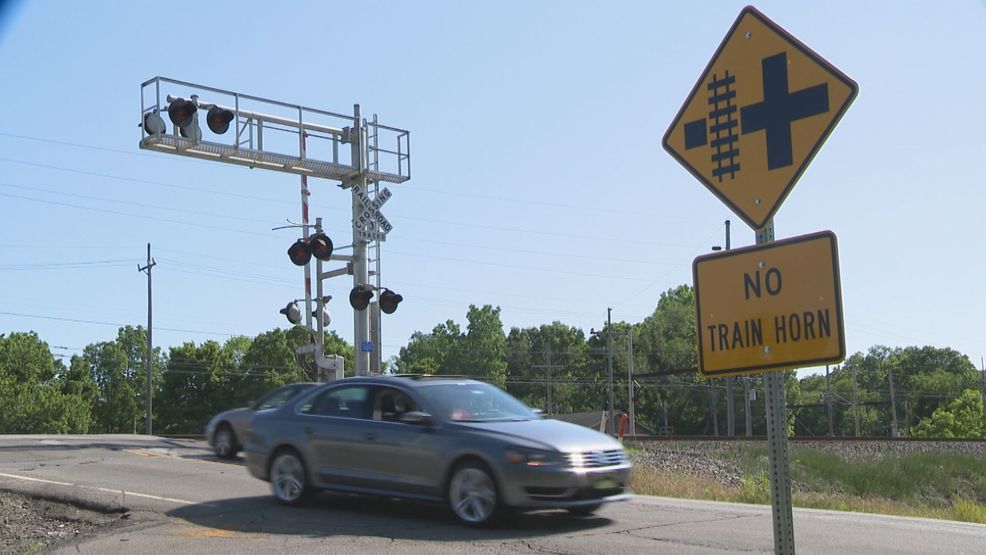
x=234 y=415
x=547 y=434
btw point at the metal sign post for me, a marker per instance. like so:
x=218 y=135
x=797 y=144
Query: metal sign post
x=780 y=468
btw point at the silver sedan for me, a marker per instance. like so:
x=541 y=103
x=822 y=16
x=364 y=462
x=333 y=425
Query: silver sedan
x=227 y=430
x=433 y=438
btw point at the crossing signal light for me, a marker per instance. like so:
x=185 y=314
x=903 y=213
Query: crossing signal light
x=318 y=245
x=218 y=119
x=326 y=317
x=153 y=124
x=389 y=301
x=299 y=253
x=292 y=312
x=360 y=297
x=183 y=114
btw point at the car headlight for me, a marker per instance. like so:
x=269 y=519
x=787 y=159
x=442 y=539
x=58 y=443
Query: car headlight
x=533 y=457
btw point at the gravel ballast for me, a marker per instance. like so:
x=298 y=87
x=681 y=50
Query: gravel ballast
x=718 y=460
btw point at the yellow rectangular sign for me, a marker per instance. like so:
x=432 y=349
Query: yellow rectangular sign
x=771 y=307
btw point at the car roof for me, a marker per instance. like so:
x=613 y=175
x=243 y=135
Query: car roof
x=407 y=380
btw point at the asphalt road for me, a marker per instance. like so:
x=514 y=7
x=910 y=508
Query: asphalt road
x=184 y=499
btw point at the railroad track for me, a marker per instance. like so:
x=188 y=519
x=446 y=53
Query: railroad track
x=795 y=439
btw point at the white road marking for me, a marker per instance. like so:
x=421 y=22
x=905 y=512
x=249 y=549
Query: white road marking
x=105 y=490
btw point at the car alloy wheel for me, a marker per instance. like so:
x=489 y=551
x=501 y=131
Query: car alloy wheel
x=472 y=494
x=287 y=478
x=224 y=442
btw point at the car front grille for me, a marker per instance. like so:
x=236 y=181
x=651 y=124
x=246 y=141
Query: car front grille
x=597 y=459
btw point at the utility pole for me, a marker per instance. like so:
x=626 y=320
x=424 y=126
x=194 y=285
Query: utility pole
x=730 y=409
x=547 y=370
x=713 y=407
x=894 y=432
x=982 y=385
x=855 y=400
x=548 y=367
x=609 y=351
x=730 y=406
x=713 y=395
x=828 y=400
x=748 y=415
x=150 y=344
x=633 y=420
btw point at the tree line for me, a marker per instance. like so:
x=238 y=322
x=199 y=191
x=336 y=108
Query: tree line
x=103 y=390
x=912 y=391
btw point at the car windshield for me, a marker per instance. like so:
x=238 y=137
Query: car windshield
x=280 y=396
x=476 y=402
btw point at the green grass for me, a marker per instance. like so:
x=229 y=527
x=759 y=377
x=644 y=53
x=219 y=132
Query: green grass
x=941 y=485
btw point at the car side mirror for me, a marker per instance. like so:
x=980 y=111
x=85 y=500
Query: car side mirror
x=416 y=418
x=538 y=412
x=252 y=405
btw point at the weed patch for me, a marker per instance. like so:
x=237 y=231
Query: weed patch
x=947 y=485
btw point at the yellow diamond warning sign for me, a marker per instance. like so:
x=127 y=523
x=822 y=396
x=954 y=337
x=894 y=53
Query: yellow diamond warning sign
x=757 y=116
x=771 y=307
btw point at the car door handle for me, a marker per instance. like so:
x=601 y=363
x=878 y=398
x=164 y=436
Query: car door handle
x=308 y=431
x=369 y=436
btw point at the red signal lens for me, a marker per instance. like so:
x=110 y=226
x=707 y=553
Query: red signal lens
x=320 y=246
x=360 y=296
x=299 y=253
x=389 y=301
x=181 y=112
x=218 y=119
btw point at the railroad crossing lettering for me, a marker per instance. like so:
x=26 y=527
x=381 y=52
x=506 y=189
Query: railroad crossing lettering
x=371 y=204
x=757 y=116
x=771 y=307
x=370 y=224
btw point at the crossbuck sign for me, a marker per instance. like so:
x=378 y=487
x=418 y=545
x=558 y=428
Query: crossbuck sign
x=370 y=224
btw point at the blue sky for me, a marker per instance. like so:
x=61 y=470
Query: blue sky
x=538 y=179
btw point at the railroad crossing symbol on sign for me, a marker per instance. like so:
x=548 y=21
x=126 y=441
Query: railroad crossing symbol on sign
x=757 y=116
x=770 y=307
x=370 y=224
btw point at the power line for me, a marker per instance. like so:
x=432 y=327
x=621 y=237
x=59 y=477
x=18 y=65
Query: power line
x=270 y=235
x=514 y=267
x=141 y=216
x=197 y=189
x=525 y=201
x=138 y=204
x=103 y=323
x=664 y=277
x=76 y=145
x=265 y=199
x=63 y=265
